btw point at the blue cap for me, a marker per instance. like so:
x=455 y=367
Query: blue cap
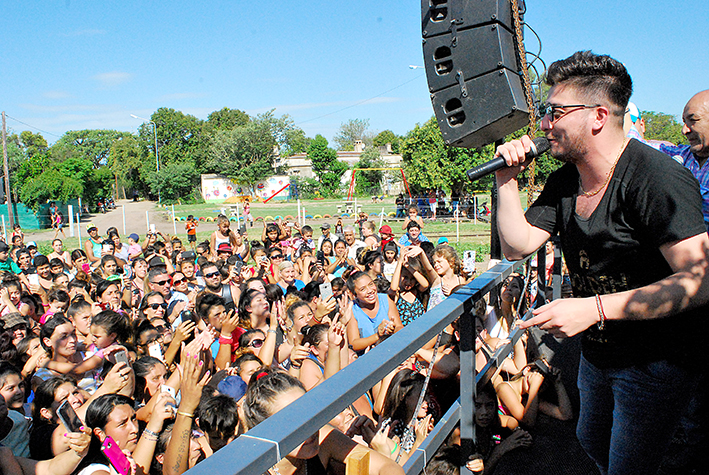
x=443 y=240
x=232 y=386
x=134 y=237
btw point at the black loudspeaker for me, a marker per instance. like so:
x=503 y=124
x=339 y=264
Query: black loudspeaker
x=474 y=75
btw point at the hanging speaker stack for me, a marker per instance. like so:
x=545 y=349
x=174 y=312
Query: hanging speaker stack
x=473 y=72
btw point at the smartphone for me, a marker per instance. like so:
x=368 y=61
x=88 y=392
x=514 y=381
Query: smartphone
x=33 y=279
x=122 y=357
x=106 y=248
x=238 y=266
x=154 y=350
x=85 y=267
x=168 y=389
x=152 y=229
x=242 y=230
x=128 y=271
x=325 y=291
x=68 y=417
x=469 y=262
x=320 y=256
x=290 y=225
x=115 y=456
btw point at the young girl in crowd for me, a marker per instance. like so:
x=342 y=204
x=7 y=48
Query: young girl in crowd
x=223 y=235
x=409 y=287
x=391 y=255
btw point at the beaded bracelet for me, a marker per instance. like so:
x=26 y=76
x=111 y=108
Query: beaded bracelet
x=149 y=432
x=602 y=322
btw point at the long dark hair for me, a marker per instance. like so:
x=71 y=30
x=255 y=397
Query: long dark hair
x=48 y=330
x=261 y=394
x=142 y=367
x=404 y=383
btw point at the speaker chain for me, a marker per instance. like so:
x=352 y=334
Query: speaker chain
x=527 y=89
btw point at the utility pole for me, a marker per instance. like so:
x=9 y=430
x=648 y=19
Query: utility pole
x=8 y=195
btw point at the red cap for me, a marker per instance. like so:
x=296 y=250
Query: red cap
x=386 y=229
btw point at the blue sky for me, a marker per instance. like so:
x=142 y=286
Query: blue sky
x=73 y=64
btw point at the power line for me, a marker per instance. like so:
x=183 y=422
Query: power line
x=32 y=126
x=360 y=102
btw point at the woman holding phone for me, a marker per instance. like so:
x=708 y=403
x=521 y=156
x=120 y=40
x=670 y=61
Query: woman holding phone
x=114 y=429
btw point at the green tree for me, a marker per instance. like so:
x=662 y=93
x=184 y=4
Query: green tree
x=94 y=145
x=368 y=182
x=225 y=119
x=351 y=131
x=321 y=156
x=244 y=154
x=179 y=138
x=326 y=166
x=174 y=181
x=661 y=126
x=429 y=163
x=126 y=164
x=385 y=137
x=33 y=144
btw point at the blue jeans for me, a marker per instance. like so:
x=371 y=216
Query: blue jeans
x=628 y=415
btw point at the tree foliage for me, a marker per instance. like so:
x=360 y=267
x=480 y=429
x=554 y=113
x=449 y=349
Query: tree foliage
x=94 y=145
x=174 y=181
x=660 y=126
x=430 y=163
x=351 y=131
x=245 y=154
x=385 y=137
x=225 y=119
x=33 y=144
x=369 y=182
x=326 y=166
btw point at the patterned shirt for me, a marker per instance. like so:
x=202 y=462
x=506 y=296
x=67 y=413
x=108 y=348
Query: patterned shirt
x=684 y=155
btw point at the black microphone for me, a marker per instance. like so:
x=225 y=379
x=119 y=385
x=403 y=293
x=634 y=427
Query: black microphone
x=539 y=146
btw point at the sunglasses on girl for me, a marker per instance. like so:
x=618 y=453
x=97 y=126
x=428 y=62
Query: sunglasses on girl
x=256 y=343
x=156 y=306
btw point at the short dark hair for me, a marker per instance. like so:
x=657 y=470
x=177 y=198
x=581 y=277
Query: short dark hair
x=599 y=77
x=412 y=224
x=40 y=260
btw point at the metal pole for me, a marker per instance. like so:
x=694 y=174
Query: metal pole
x=70 y=212
x=381 y=218
x=157 y=158
x=4 y=228
x=457 y=223
x=78 y=228
x=467 y=384
x=8 y=195
x=147 y=220
x=174 y=221
x=475 y=209
x=123 y=209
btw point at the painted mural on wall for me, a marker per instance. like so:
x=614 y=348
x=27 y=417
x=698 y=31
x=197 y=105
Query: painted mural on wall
x=219 y=188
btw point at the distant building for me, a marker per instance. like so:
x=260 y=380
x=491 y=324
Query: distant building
x=299 y=164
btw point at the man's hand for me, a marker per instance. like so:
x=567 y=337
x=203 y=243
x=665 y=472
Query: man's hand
x=514 y=154
x=564 y=317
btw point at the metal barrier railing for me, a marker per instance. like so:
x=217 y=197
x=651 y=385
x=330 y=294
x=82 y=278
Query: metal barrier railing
x=264 y=445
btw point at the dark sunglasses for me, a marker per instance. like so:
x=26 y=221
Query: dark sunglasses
x=162 y=282
x=556 y=112
x=155 y=306
x=179 y=281
x=277 y=256
x=212 y=274
x=256 y=343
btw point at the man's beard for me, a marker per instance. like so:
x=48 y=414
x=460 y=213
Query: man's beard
x=213 y=288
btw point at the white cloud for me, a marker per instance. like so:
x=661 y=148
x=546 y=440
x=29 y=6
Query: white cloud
x=113 y=78
x=56 y=94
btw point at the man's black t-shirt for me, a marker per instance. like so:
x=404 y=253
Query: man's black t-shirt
x=651 y=200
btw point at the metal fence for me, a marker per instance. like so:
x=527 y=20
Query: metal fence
x=264 y=445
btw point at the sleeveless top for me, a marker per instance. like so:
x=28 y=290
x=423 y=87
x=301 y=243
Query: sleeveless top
x=368 y=326
x=95 y=248
x=314 y=359
x=218 y=239
x=436 y=296
x=409 y=311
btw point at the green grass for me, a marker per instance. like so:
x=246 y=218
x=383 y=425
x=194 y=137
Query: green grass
x=472 y=236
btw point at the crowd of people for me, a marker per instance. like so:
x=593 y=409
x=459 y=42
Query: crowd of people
x=146 y=356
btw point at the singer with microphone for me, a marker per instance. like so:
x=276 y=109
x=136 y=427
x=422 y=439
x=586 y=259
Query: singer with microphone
x=633 y=237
